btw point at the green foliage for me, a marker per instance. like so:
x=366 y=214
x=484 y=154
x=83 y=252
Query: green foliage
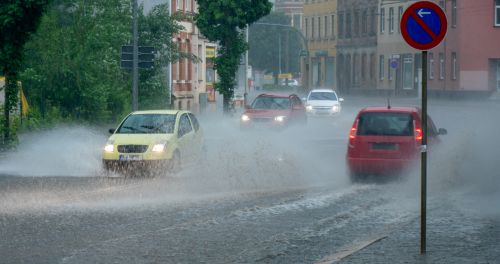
x=264 y=48
x=18 y=19
x=222 y=21
x=72 y=67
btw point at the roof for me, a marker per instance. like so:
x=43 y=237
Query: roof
x=283 y=95
x=322 y=91
x=403 y=109
x=165 y=112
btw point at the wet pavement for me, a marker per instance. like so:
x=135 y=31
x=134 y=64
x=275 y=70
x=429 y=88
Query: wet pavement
x=260 y=198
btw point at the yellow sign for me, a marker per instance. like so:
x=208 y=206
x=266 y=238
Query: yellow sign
x=210 y=52
x=268 y=77
x=285 y=76
x=24 y=102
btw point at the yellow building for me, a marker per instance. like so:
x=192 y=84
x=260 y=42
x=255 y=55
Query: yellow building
x=320 y=30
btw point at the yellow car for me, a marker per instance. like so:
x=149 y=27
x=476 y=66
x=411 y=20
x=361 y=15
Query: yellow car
x=159 y=139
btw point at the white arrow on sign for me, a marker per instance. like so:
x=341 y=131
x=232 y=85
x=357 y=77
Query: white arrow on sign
x=421 y=13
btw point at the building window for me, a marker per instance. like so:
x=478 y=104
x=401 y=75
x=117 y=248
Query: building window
x=333 y=26
x=306 y=27
x=373 y=20
x=454 y=13
x=497 y=13
x=341 y=25
x=296 y=21
x=188 y=6
x=326 y=26
x=381 y=67
x=312 y=28
x=431 y=65
x=391 y=20
x=364 y=22
x=356 y=23
x=441 y=66
x=454 y=65
x=442 y=4
x=382 y=20
x=348 y=25
x=319 y=27
x=363 y=67
x=389 y=70
x=372 y=66
x=400 y=15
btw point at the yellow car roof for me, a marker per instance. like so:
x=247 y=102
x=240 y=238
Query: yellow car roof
x=169 y=112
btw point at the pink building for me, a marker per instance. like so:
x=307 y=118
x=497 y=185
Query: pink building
x=468 y=60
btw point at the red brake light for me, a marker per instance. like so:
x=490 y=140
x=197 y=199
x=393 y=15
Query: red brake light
x=418 y=132
x=353 y=132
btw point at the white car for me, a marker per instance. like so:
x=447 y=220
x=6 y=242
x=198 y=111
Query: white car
x=323 y=102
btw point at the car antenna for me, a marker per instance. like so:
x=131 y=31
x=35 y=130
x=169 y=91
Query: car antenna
x=388 y=103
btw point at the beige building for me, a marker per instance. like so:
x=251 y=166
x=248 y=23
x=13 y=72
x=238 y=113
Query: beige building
x=320 y=30
x=192 y=80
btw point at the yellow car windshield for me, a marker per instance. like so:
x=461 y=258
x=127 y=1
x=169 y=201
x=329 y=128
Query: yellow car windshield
x=148 y=124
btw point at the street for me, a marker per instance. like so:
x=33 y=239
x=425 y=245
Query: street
x=260 y=197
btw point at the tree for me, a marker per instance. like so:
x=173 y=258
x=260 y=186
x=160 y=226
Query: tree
x=18 y=20
x=223 y=21
x=72 y=68
x=264 y=48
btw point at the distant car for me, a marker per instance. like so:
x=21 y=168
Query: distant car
x=274 y=111
x=160 y=139
x=323 y=102
x=387 y=140
x=291 y=82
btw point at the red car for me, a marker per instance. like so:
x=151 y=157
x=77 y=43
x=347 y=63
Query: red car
x=274 y=111
x=385 y=140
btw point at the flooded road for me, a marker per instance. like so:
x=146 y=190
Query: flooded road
x=258 y=198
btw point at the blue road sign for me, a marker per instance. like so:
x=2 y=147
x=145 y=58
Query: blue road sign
x=424 y=25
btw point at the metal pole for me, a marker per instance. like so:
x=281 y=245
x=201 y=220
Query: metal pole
x=423 y=201
x=170 y=63
x=246 y=70
x=135 y=62
x=279 y=51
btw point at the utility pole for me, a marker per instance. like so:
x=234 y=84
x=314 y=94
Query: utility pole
x=170 y=63
x=135 y=60
x=245 y=94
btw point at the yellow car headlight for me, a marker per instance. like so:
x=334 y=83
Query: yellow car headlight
x=159 y=147
x=110 y=147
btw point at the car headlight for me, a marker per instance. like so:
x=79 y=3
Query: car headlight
x=280 y=118
x=245 y=118
x=159 y=147
x=309 y=107
x=335 y=108
x=110 y=147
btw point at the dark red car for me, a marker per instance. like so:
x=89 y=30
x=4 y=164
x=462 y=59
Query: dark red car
x=274 y=111
x=385 y=140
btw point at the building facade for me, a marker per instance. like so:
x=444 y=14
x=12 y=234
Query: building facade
x=372 y=57
x=320 y=31
x=357 y=45
x=192 y=80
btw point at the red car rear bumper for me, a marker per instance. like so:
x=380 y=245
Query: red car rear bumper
x=379 y=166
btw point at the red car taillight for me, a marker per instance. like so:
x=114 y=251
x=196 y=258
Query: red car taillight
x=353 y=132
x=418 y=132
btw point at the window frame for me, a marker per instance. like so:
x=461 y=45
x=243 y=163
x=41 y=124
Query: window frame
x=454 y=13
x=454 y=66
x=497 y=13
x=381 y=67
x=431 y=66
x=382 y=20
x=391 y=20
x=442 y=68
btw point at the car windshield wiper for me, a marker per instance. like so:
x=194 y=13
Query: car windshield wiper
x=131 y=128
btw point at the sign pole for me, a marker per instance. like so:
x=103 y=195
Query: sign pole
x=423 y=202
x=135 y=60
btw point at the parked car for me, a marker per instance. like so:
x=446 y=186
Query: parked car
x=157 y=140
x=323 y=102
x=274 y=111
x=387 y=140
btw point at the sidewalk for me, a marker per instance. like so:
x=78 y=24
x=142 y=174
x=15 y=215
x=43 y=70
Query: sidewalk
x=453 y=236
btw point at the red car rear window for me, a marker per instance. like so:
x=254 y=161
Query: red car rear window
x=385 y=124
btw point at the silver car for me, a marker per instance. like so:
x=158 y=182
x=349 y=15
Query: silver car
x=323 y=102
